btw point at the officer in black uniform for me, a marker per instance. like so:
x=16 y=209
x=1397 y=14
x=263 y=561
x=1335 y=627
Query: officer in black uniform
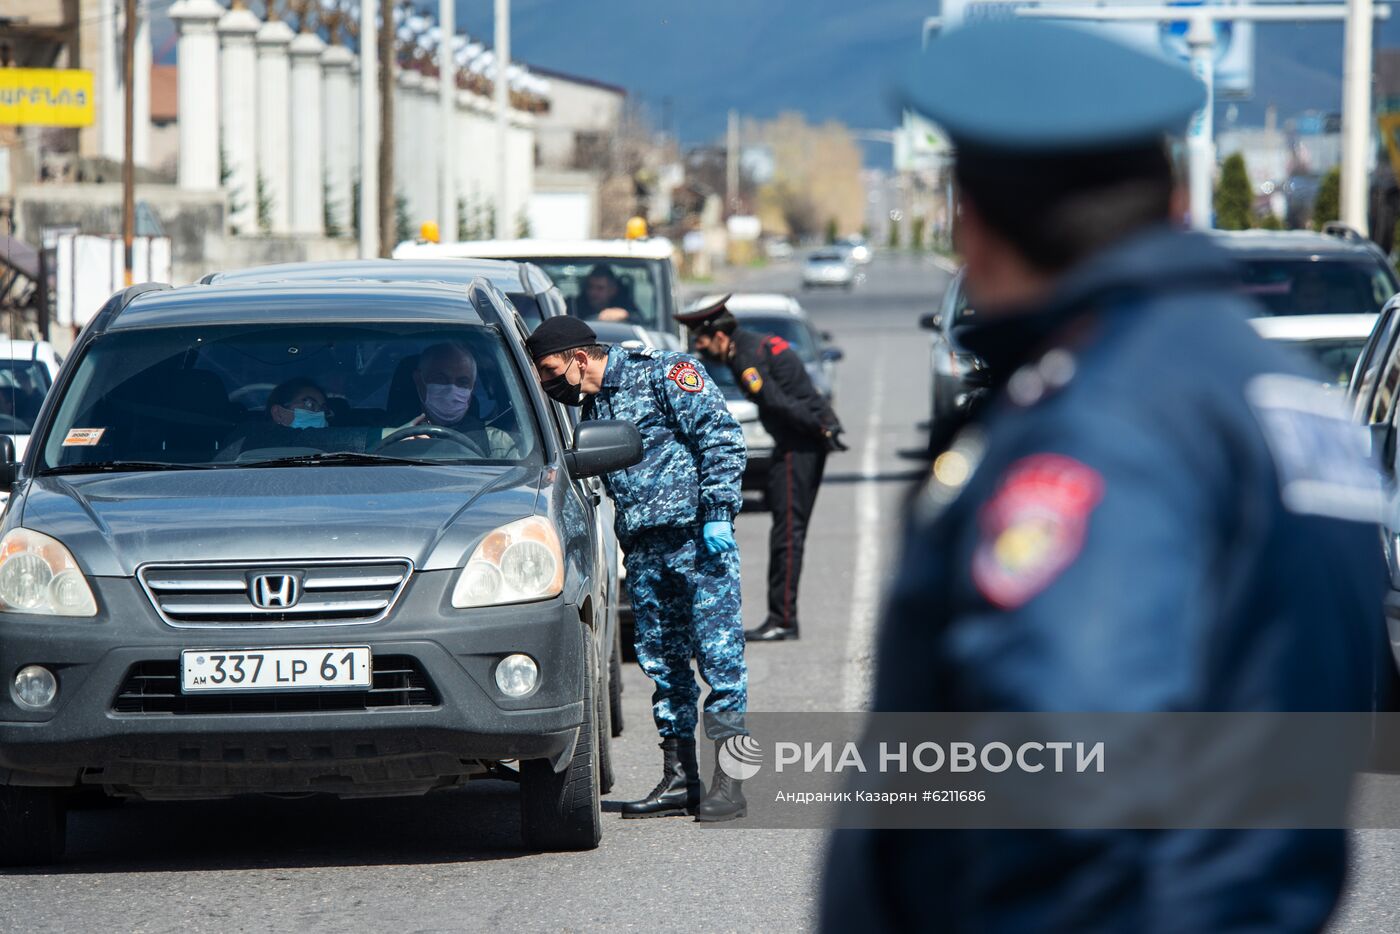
x=804 y=429
x=1152 y=510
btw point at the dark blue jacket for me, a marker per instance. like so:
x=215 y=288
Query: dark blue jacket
x=1128 y=525
x=693 y=449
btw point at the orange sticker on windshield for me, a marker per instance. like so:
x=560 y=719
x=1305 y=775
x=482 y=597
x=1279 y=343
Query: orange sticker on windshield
x=83 y=437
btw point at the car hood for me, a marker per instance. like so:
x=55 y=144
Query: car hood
x=113 y=523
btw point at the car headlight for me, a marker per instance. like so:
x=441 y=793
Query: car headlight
x=38 y=575
x=517 y=563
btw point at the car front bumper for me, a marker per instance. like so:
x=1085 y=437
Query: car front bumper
x=454 y=723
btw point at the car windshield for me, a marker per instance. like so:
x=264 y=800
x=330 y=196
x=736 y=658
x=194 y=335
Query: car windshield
x=1306 y=286
x=243 y=395
x=1336 y=356
x=723 y=377
x=830 y=257
x=792 y=330
x=23 y=384
x=638 y=287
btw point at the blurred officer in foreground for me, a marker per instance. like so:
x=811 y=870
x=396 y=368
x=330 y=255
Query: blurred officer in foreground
x=675 y=522
x=804 y=428
x=1128 y=522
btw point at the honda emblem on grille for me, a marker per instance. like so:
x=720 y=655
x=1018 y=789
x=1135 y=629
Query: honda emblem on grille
x=274 y=591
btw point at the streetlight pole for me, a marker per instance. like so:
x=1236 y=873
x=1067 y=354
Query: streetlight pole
x=1356 y=76
x=447 y=122
x=128 y=141
x=502 y=89
x=388 y=216
x=1356 y=113
x=369 y=128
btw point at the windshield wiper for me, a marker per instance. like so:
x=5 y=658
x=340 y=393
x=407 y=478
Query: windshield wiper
x=121 y=467
x=334 y=458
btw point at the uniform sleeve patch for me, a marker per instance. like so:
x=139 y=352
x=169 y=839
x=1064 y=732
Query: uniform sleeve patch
x=1033 y=528
x=751 y=380
x=776 y=345
x=687 y=376
x=1324 y=460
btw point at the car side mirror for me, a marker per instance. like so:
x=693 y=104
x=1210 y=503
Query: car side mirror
x=826 y=336
x=9 y=465
x=832 y=354
x=603 y=446
x=933 y=321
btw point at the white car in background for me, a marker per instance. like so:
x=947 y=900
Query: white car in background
x=831 y=266
x=27 y=370
x=1334 y=342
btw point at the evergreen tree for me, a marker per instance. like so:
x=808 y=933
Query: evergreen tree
x=893 y=242
x=403 y=227
x=916 y=234
x=831 y=231
x=264 y=205
x=1328 y=206
x=1234 y=198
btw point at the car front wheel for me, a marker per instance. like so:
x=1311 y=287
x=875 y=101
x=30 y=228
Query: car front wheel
x=563 y=810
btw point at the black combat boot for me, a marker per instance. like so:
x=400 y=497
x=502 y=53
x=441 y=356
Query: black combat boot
x=678 y=793
x=725 y=799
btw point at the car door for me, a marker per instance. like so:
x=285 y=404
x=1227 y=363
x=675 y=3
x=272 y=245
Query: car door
x=1373 y=356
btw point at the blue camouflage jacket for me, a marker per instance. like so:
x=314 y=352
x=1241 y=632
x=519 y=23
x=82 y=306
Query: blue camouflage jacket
x=693 y=450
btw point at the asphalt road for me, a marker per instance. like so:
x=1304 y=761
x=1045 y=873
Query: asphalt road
x=455 y=861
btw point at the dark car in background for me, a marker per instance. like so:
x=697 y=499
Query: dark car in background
x=199 y=601
x=1299 y=272
x=957 y=376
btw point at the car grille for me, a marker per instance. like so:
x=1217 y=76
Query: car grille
x=153 y=687
x=200 y=595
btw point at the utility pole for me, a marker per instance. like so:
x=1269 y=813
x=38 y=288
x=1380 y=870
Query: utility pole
x=129 y=140
x=388 y=216
x=447 y=120
x=369 y=129
x=731 y=164
x=502 y=89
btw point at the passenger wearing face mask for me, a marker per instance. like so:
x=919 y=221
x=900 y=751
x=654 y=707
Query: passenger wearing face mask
x=675 y=522
x=298 y=403
x=446 y=380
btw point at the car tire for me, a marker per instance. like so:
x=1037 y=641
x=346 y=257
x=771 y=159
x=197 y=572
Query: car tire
x=563 y=810
x=33 y=825
x=615 y=680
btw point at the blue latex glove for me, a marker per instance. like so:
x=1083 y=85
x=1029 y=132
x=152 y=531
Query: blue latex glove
x=719 y=536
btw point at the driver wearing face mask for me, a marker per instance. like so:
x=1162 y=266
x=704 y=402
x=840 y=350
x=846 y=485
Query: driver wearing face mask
x=446 y=380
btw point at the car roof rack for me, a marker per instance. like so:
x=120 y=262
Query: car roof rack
x=1342 y=232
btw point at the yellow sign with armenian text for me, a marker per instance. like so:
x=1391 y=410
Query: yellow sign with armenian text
x=46 y=97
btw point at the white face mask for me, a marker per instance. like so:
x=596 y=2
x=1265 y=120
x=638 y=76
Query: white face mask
x=446 y=403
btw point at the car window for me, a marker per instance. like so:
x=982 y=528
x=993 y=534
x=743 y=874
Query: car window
x=634 y=285
x=1369 y=366
x=792 y=330
x=23 y=384
x=528 y=307
x=235 y=395
x=1336 y=357
x=828 y=257
x=1307 y=286
x=1386 y=387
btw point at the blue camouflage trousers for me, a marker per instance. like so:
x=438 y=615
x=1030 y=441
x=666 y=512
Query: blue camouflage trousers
x=686 y=604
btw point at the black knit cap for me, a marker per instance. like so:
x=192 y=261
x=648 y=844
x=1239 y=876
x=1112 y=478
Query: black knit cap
x=558 y=334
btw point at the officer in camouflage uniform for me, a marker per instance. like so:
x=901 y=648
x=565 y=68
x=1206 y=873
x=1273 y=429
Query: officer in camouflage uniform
x=675 y=521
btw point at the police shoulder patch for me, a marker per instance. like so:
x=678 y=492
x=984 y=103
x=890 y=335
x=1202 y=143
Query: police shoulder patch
x=687 y=376
x=752 y=381
x=1033 y=527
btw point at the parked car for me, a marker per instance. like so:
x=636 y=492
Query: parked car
x=1333 y=342
x=198 y=601
x=828 y=267
x=783 y=316
x=957 y=376
x=530 y=290
x=27 y=370
x=1298 y=272
x=644 y=269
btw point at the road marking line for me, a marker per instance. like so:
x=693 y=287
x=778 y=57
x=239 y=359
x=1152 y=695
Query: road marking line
x=865 y=593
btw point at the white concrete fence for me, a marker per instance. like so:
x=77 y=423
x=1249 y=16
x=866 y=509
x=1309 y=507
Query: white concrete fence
x=272 y=117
